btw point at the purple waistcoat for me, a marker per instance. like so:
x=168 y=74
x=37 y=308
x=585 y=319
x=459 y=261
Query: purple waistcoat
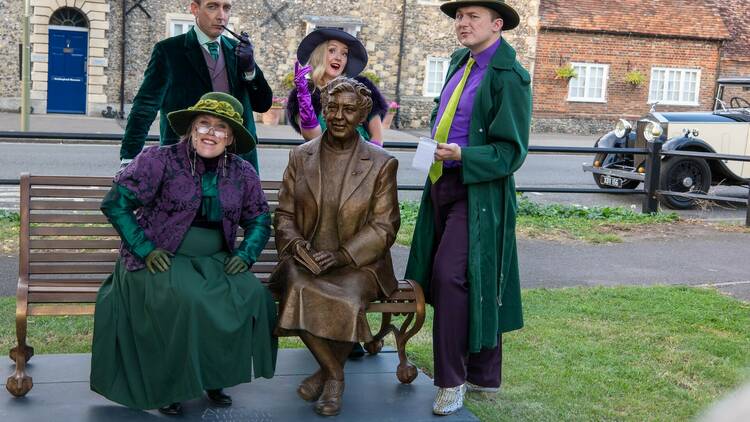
x=217 y=70
x=161 y=179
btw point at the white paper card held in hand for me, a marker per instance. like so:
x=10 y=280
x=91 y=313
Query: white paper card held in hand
x=425 y=155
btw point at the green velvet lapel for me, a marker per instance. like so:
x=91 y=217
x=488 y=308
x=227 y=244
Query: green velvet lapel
x=230 y=61
x=196 y=59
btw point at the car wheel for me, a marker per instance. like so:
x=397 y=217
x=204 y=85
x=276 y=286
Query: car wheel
x=684 y=174
x=628 y=184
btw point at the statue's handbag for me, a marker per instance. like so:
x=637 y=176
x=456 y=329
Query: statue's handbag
x=302 y=256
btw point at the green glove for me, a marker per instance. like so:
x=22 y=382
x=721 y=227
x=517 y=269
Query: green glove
x=158 y=261
x=234 y=265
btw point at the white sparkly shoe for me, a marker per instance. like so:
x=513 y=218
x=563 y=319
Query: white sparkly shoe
x=473 y=388
x=449 y=400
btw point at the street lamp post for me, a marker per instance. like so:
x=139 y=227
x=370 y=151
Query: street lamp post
x=25 y=68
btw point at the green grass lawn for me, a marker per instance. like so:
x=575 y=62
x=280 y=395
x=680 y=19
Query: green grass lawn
x=623 y=353
x=558 y=222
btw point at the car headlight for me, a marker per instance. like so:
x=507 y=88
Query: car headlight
x=652 y=131
x=622 y=127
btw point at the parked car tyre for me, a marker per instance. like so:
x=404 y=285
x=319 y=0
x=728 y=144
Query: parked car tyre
x=628 y=184
x=684 y=174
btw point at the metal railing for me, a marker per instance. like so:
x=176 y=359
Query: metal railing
x=650 y=189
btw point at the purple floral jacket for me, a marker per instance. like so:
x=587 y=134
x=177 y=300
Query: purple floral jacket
x=161 y=179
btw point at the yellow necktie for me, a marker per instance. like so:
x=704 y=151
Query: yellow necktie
x=444 y=125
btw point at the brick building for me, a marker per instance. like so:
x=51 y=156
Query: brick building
x=91 y=42
x=735 y=54
x=676 y=45
x=680 y=47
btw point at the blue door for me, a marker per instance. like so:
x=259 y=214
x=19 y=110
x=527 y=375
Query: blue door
x=66 y=78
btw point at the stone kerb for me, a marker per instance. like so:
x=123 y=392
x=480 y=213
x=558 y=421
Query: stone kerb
x=96 y=12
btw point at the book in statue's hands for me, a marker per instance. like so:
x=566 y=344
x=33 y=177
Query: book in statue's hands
x=302 y=255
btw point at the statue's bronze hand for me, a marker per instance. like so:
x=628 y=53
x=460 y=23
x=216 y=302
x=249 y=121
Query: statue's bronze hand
x=327 y=260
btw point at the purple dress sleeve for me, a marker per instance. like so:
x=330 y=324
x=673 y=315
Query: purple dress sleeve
x=143 y=176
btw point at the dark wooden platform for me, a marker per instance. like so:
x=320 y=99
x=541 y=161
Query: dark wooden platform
x=61 y=393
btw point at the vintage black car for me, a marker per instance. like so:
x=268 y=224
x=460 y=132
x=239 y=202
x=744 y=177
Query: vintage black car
x=725 y=130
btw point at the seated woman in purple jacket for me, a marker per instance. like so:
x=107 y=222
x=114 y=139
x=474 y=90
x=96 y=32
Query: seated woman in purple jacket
x=182 y=313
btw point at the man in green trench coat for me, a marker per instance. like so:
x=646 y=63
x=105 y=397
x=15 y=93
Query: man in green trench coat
x=464 y=248
x=184 y=67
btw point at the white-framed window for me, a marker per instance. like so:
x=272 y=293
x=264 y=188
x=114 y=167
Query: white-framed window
x=349 y=24
x=180 y=23
x=674 y=86
x=590 y=84
x=179 y=27
x=435 y=70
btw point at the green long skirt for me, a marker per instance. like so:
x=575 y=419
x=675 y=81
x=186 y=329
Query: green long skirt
x=165 y=337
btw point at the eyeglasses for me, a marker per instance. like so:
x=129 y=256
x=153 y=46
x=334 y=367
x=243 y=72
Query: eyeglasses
x=219 y=133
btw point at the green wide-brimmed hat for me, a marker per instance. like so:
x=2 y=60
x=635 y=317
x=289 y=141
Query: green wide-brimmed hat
x=221 y=105
x=509 y=15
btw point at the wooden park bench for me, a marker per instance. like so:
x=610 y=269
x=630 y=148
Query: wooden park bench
x=67 y=248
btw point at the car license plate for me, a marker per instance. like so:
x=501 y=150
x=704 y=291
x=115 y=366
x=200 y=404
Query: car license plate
x=612 y=181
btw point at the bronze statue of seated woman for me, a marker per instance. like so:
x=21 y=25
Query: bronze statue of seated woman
x=337 y=218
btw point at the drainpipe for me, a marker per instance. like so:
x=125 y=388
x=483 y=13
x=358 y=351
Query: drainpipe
x=397 y=117
x=25 y=68
x=122 y=64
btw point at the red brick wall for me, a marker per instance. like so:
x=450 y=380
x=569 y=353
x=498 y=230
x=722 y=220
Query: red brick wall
x=730 y=67
x=621 y=53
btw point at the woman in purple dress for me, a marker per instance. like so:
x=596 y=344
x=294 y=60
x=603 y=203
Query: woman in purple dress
x=181 y=312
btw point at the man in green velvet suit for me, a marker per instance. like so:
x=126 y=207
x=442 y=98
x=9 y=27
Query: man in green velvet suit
x=184 y=67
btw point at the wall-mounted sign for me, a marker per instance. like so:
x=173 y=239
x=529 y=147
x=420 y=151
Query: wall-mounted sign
x=98 y=61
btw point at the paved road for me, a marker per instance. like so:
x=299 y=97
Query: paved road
x=718 y=259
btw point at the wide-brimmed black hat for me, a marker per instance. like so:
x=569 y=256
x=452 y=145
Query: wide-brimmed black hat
x=357 y=59
x=509 y=15
x=221 y=105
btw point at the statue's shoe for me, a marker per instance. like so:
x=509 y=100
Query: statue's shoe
x=329 y=403
x=311 y=387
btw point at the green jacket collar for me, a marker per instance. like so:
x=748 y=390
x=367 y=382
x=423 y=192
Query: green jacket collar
x=504 y=58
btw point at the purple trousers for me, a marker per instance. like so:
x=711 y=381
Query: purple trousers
x=449 y=292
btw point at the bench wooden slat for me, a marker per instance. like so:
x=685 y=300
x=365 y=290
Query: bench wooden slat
x=68 y=218
x=73 y=290
x=66 y=205
x=270 y=184
x=74 y=257
x=395 y=308
x=55 y=297
x=68 y=281
x=68 y=193
x=272 y=196
x=105 y=268
x=73 y=231
x=74 y=244
x=71 y=181
x=61 y=309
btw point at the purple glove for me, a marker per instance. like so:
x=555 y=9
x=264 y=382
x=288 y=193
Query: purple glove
x=307 y=117
x=244 y=53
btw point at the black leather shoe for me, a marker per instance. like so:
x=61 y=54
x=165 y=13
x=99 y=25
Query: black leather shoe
x=218 y=397
x=357 y=351
x=173 y=409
